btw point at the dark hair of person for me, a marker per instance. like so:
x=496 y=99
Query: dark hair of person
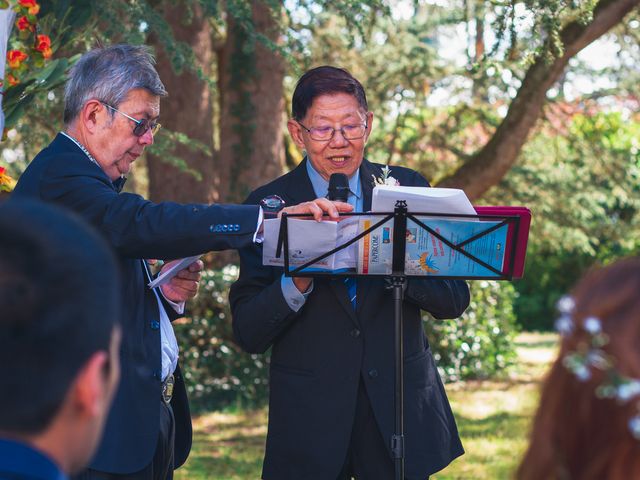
x=577 y=434
x=59 y=303
x=325 y=80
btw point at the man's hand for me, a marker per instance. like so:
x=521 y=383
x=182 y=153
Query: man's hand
x=185 y=284
x=319 y=207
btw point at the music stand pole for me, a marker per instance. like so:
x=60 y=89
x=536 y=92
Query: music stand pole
x=398 y=284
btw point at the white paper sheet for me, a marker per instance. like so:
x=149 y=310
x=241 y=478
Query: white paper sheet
x=421 y=199
x=309 y=239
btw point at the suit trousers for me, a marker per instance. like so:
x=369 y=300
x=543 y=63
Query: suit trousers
x=161 y=466
x=368 y=457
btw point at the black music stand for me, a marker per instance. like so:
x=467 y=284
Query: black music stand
x=398 y=279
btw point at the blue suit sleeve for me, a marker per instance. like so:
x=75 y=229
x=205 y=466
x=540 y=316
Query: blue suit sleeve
x=138 y=228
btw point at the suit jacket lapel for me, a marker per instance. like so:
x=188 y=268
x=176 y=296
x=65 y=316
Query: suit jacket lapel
x=367 y=172
x=299 y=188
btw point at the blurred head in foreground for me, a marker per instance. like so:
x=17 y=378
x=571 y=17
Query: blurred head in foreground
x=588 y=422
x=59 y=333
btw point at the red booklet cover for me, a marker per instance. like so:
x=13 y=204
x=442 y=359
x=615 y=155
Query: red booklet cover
x=517 y=236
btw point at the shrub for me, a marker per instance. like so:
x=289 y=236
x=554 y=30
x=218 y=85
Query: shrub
x=217 y=372
x=480 y=343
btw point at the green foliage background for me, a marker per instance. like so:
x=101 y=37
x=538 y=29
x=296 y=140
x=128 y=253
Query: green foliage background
x=583 y=186
x=579 y=172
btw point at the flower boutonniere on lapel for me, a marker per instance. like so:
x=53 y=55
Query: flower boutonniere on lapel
x=385 y=179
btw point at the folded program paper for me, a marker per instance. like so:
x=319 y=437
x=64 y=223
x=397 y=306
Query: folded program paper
x=169 y=273
x=308 y=239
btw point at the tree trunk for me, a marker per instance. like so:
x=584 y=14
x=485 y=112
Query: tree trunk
x=187 y=110
x=487 y=167
x=252 y=104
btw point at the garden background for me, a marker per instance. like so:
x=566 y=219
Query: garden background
x=518 y=103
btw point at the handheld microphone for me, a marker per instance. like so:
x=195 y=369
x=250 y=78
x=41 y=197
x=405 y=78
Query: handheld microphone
x=338 y=187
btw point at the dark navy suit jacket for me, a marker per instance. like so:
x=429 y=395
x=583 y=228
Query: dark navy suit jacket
x=320 y=353
x=137 y=229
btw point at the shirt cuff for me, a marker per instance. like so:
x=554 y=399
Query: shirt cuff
x=258 y=237
x=292 y=295
x=178 y=307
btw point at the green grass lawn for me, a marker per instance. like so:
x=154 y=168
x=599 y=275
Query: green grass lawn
x=493 y=417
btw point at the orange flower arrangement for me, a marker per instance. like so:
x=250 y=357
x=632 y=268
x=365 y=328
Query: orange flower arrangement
x=30 y=49
x=32 y=6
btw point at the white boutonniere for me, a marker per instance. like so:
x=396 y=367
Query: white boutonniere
x=386 y=178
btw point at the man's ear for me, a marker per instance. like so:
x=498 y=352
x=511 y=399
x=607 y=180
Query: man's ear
x=90 y=392
x=295 y=130
x=369 y=125
x=91 y=113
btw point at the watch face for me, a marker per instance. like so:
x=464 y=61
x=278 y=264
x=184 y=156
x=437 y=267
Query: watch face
x=272 y=203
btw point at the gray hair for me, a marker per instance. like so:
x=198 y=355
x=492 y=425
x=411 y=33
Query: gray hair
x=109 y=74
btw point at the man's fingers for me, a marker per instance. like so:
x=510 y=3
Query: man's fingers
x=343 y=207
x=196 y=266
x=187 y=275
x=184 y=285
x=320 y=207
x=176 y=291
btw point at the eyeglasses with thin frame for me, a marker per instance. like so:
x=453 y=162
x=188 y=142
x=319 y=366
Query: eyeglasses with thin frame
x=141 y=125
x=325 y=134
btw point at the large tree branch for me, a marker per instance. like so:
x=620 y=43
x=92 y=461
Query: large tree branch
x=487 y=167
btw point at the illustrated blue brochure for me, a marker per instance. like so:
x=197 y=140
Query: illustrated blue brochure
x=428 y=255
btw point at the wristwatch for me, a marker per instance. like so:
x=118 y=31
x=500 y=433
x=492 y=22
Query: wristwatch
x=271 y=205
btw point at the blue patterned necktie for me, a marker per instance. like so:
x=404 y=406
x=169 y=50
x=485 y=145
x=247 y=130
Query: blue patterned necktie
x=351 y=290
x=349 y=281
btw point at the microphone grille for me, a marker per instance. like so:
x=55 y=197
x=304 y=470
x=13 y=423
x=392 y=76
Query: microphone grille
x=338 y=187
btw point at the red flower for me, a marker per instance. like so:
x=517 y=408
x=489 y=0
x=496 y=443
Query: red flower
x=13 y=81
x=23 y=24
x=15 y=58
x=32 y=5
x=43 y=42
x=2 y=170
x=43 y=45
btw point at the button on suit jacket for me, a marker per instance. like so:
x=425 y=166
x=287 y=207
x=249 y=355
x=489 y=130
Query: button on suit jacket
x=320 y=353
x=137 y=229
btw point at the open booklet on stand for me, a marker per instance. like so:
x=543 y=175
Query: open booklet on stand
x=308 y=240
x=445 y=237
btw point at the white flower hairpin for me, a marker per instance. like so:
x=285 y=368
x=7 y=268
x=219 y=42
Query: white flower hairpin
x=386 y=178
x=590 y=355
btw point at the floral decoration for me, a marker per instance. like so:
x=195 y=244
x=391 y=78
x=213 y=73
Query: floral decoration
x=29 y=49
x=43 y=45
x=590 y=355
x=386 y=178
x=15 y=59
x=23 y=23
x=6 y=182
x=31 y=5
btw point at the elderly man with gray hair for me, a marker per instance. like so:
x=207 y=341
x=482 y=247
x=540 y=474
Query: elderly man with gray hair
x=112 y=105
